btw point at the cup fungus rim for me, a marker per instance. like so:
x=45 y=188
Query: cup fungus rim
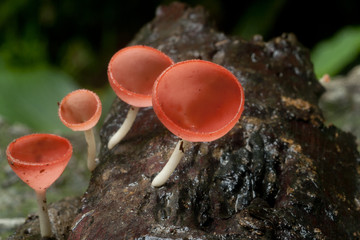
x=18 y=162
x=197 y=136
x=119 y=87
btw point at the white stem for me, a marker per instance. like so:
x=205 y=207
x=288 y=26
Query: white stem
x=125 y=127
x=90 y=139
x=170 y=166
x=45 y=226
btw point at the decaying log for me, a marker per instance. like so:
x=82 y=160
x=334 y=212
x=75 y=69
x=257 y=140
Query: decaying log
x=281 y=173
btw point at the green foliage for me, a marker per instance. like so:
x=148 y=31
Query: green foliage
x=332 y=55
x=30 y=96
x=259 y=18
x=9 y=8
x=25 y=51
x=21 y=41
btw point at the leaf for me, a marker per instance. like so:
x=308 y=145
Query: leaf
x=332 y=55
x=30 y=96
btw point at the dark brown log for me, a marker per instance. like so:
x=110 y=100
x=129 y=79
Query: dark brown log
x=280 y=173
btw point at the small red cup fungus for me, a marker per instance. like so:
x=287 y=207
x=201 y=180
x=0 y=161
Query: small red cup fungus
x=80 y=110
x=132 y=72
x=198 y=101
x=38 y=160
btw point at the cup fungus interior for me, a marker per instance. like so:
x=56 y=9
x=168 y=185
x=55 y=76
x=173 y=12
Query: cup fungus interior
x=132 y=72
x=80 y=110
x=198 y=100
x=39 y=159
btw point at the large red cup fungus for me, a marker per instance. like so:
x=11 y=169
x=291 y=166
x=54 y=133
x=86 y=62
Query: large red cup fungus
x=38 y=160
x=132 y=72
x=80 y=110
x=199 y=101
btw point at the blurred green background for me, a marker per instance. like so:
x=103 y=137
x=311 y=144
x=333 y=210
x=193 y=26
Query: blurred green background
x=51 y=47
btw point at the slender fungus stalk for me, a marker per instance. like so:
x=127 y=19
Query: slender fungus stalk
x=80 y=110
x=38 y=160
x=172 y=163
x=90 y=139
x=125 y=127
x=198 y=101
x=132 y=72
x=45 y=226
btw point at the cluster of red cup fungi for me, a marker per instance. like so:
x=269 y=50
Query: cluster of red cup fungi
x=40 y=159
x=198 y=101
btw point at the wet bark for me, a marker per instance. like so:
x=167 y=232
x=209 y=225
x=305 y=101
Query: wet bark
x=280 y=173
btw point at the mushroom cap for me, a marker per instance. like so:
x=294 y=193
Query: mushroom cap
x=132 y=72
x=197 y=100
x=80 y=110
x=39 y=159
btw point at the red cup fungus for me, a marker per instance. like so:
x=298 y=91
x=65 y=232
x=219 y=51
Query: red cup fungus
x=38 y=160
x=198 y=101
x=132 y=72
x=80 y=110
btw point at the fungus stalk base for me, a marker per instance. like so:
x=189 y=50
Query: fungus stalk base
x=125 y=127
x=45 y=226
x=90 y=139
x=170 y=166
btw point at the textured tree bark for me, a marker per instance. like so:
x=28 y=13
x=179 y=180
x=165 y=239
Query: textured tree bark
x=281 y=173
